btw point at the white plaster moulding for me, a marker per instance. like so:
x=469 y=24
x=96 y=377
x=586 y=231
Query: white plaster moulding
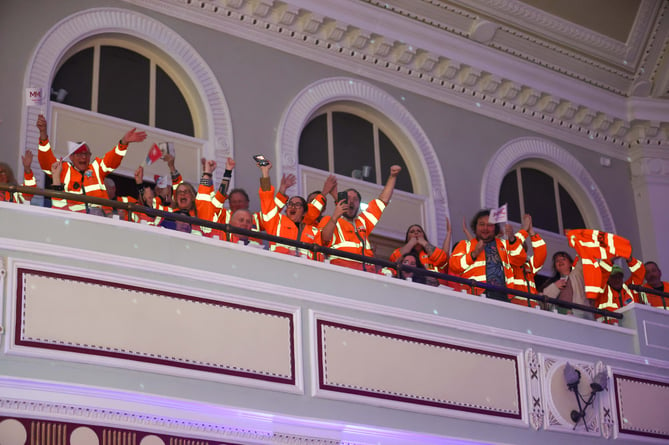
x=11 y=348
x=347 y=303
x=251 y=29
x=314 y=316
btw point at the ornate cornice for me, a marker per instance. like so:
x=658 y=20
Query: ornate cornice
x=542 y=87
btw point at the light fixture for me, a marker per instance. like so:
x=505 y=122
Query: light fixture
x=59 y=95
x=573 y=378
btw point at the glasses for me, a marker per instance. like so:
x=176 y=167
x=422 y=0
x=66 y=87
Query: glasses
x=294 y=204
x=81 y=153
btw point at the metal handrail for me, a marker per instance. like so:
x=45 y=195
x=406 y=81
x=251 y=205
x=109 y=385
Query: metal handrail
x=315 y=248
x=650 y=290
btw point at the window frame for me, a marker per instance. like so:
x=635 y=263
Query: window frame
x=378 y=125
x=155 y=57
x=557 y=181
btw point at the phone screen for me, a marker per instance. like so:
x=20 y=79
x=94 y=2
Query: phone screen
x=260 y=159
x=342 y=196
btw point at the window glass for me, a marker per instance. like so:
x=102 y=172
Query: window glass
x=313 y=150
x=539 y=195
x=539 y=200
x=76 y=77
x=354 y=149
x=571 y=217
x=391 y=156
x=509 y=194
x=124 y=84
x=124 y=88
x=353 y=140
x=172 y=111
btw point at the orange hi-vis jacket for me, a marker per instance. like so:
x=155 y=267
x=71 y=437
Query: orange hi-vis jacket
x=435 y=262
x=353 y=236
x=278 y=224
x=592 y=246
x=90 y=182
x=222 y=215
x=202 y=201
x=656 y=300
x=28 y=181
x=461 y=262
x=523 y=276
x=611 y=299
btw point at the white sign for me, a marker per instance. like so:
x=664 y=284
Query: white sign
x=498 y=215
x=34 y=97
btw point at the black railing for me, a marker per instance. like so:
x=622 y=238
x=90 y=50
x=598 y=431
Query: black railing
x=648 y=290
x=543 y=300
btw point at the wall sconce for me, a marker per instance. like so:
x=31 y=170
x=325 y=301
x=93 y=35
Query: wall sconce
x=59 y=95
x=362 y=173
x=573 y=378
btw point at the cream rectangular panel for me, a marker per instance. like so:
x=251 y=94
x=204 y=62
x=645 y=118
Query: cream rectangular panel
x=404 y=209
x=66 y=312
x=102 y=133
x=382 y=365
x=643 y=406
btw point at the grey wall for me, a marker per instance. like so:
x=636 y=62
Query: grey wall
x=259 y=82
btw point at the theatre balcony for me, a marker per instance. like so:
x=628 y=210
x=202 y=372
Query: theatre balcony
x=122 y=333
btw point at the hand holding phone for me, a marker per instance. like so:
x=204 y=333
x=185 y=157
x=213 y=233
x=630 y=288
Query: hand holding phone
x=260 y=159
x=342 y=196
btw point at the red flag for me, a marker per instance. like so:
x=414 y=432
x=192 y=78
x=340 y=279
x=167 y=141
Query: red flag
x=153 y=155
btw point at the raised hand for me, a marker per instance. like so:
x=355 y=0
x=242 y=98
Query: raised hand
x=27 y=161
x=229 y=164
x=139 y=175
x=209 y=166
x=133 y=136
x=56 y=170
x=41 y=125
x=395 y=170
x=330 y=185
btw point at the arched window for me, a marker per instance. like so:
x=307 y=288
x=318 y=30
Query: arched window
x=529 y=189
x=341 y=141
x=165 y=49
x=112 y=76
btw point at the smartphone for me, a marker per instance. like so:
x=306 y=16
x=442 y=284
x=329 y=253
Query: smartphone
x=342 y=196
x=260 y=159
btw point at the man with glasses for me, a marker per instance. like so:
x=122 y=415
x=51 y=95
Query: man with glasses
x=80 y=175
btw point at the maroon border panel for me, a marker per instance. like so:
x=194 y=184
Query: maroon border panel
x=115 y=353
x=324 y=386
x=620 y=422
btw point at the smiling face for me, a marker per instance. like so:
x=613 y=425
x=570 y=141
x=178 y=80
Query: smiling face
x=237 y=200
x=243 y=219
x=81 y=159
x=295 y=209
x=485 y=231
x=562 y=265
x=653 y=274
x=185 y=198
x=353 y=204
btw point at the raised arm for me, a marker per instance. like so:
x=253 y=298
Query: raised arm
x=387 y=191
x=328 y=230
x=446 y=246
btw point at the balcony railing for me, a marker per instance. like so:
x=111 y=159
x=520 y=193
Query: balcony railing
x=543 y=300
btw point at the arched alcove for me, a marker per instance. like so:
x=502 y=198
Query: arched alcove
x=417 y=150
